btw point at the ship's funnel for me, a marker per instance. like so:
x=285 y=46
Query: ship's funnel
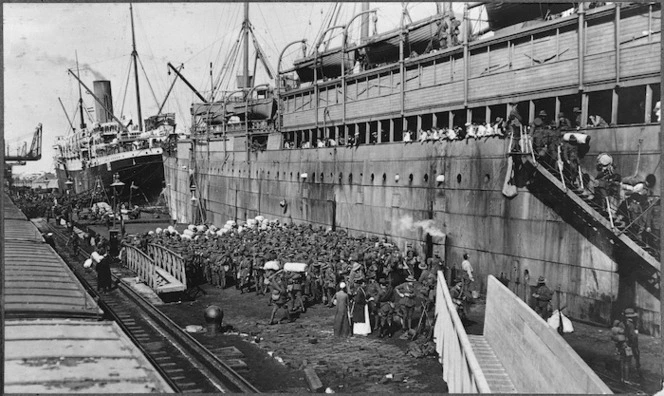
x=103 y=92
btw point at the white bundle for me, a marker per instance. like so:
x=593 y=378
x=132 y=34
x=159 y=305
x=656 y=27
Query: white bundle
x=150 y=232
x=88 y=263
x=191 y=227
x=97 y=257
x=554 y=322
x=158 y=230
x=188 y=233
x=272 y=265
x=260 y=218
x=579 y=138
x=201 y=228
x=295 y=267
x=240 y=229
x=171 y=229
x=231 y=223
x=185 y=236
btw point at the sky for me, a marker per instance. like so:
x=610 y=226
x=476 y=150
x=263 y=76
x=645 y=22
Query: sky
x=41 y=42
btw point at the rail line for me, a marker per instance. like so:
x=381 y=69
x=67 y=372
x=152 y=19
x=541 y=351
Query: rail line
x=186 y=364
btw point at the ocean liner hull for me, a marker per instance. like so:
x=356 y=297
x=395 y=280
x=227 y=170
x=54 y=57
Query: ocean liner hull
x=142 y=167
x=383 y=189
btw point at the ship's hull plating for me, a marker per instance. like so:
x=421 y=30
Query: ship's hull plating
x=145 y=171
x=357 y=189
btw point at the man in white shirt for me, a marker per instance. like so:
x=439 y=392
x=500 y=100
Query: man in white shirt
x=467 y=268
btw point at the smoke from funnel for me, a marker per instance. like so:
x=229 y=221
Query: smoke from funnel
x=71 y=64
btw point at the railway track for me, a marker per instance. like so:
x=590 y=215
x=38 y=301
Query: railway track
x=186 y=364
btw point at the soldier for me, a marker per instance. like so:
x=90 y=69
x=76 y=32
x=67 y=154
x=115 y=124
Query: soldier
x=406 y=292
x=280 y=301
x=564 y=124
x=385 y=317
x=330 y=283
x=295 y=286
x=543 y=297
x=514 y=123
x=632 y=337
x=314 y=289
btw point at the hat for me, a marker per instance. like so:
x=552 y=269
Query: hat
x=543 y=113
x=541 y=280
x=275 y=294
x=576 y=110
x=342 y=285
x=538 y=121
x=629 y=313
x=422 y=266
x=410 y=278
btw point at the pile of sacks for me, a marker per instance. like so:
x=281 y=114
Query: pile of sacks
x=193 y=231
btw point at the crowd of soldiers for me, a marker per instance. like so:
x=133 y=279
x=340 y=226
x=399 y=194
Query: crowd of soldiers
x=253 y=258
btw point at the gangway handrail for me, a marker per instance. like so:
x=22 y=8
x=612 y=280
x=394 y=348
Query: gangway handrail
x=169 y=261
x=142 y=265
x=461 y=370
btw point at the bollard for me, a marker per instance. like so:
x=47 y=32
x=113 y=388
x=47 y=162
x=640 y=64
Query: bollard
x=213 y=317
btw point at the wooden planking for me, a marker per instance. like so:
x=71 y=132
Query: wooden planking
x=437 y=95
x=479 y=61
x=599 y=67
x=640 y=60
x=599 y=38
x=544 y=47
x=515 y=82
x=568 y=45
x=519 y=52
x=633 y=26
x=525 y=343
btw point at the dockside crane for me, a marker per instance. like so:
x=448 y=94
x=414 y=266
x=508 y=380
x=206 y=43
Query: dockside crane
x=22 y=156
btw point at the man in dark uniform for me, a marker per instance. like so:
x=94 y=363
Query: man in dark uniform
x=578 y=118
x=406 y=292
x=514 y=123
x=543 y=297
x=564 y=124
x=295 y=286
x=632 y=336
x=330 y=282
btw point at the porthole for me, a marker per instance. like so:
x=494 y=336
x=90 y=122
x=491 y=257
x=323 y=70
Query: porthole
x=410 y=178
x=341 y=178
x=322 y=177
x=372 y=177
x=459 y=178
x=384 y=178
x=426 y=177
x=350 y=178
x=487 y=178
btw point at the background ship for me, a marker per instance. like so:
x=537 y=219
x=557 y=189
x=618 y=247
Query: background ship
x=89 y=158
x=446 y=197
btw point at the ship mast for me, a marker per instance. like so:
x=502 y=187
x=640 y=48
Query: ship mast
x=134 y=56
x=80 y=93
x=246 y=84
x=364 y=32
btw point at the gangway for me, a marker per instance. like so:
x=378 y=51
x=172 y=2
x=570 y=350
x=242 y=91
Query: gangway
x=515 y=341
x=630 y=252
x=161 y=269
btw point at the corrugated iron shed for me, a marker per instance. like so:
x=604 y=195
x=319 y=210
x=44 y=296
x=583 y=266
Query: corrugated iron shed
x=75 y=356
